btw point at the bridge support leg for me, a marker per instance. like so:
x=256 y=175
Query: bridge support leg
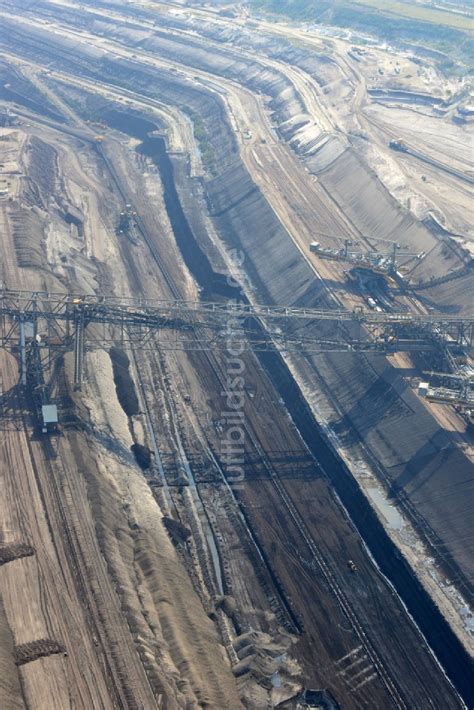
x=78 y=352
x=22 y=353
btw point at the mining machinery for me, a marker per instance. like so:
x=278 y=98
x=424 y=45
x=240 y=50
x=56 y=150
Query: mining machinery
x=455 y=388
x=127 y=224
x=37 y=327
x=385 y=263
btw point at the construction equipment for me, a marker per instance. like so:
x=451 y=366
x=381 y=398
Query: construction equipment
x=352 y=565
x=445 y=278
x=35 y=360
x=377 y=261
x=451 y=388
x=127 y=224
x=37 y=326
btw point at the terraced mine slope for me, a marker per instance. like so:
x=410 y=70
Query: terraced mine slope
x=210 y=527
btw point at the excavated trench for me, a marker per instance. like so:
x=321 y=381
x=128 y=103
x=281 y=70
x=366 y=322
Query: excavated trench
x=442 y=640
x=439 y=635
x=446 y=646
x=210 y=281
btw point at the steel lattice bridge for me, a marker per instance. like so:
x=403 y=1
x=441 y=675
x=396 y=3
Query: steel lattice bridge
x=35 y=323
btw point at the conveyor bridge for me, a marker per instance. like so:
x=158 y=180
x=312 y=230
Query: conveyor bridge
x=52 y=322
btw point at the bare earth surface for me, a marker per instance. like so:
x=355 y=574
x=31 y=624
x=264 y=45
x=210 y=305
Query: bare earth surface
x=132 y=574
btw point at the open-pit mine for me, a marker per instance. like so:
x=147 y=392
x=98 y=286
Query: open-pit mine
x=236 y=377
